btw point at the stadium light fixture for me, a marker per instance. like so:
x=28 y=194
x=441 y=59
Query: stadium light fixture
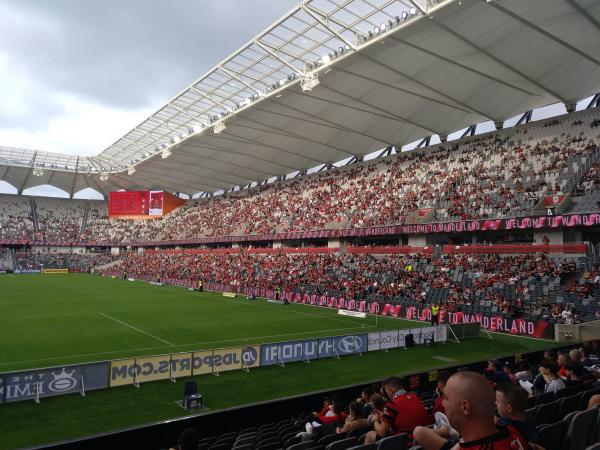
x=412 y=11
x=131 y=170
x=219 y=127
x=326 y=59
x=404 y=15
x=176 y=139
x=37 y=172
x=165 y=153
x=196 y=128
x=309 y=82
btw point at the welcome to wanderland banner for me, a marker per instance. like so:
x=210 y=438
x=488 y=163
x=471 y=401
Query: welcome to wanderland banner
x=491 y=322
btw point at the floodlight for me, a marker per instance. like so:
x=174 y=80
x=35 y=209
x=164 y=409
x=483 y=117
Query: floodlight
x=165 y=153
x=309 y=82
x=404 y=15
x=219 y=127
x=131 y=170
x=176 y=139
x=412 y=11
x=196 y=128
x=326 y=59
x=383 y=26
x=37 y=172
x=346 y=47
x=376 y=30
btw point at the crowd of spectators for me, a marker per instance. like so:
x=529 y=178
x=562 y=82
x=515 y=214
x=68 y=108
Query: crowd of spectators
x=59 y=219
x=61 y=260
x=485 y=178
x=489 y=409
x=454 y=281
x=590 y=180
x=500 y=175
x=5 y=257
x=15 y=217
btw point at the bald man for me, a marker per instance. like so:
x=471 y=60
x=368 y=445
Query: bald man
x=470 y=405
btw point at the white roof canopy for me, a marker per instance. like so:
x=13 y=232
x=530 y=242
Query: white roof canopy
x=389 y=73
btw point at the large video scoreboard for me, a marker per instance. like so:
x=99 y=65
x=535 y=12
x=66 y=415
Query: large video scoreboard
x=141 y=204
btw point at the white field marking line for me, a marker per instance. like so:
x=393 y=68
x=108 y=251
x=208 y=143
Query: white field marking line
x=272 y=336
x=258 y=305
x=136 y=329
x=178 y=345
x=82 y=354
x=47 y=316
x=252 y=305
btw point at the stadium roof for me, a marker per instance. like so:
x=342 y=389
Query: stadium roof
x=338 y=78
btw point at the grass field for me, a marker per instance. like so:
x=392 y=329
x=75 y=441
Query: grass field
x=49 y=320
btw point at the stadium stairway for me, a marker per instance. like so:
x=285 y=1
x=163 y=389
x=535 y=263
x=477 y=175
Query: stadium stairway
x=34 y=215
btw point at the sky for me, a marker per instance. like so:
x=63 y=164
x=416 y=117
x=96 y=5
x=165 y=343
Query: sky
x=76 y=75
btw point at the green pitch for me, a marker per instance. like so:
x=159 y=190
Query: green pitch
x=55 y=319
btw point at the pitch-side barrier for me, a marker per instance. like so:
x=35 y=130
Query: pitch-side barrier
x=35 y=384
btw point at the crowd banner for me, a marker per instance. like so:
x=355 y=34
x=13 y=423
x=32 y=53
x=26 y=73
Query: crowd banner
x=35 y=384
x=55 y=270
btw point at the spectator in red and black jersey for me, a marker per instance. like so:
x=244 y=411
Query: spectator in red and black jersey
x=511 y=403
x=470 y=406
x=331 y=412
x=402 y=413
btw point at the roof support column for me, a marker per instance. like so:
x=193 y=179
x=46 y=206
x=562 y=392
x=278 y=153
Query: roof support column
x=595 y=102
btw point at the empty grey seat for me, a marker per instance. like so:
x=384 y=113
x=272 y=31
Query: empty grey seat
x=580 y=432
x=342 y=444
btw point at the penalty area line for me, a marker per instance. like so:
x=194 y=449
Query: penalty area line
x=136 y=329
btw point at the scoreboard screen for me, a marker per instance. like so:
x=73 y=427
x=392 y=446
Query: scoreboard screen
x=128 y=203
x=141 y=204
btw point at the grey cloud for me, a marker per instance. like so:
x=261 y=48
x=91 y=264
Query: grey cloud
x=127 y=54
